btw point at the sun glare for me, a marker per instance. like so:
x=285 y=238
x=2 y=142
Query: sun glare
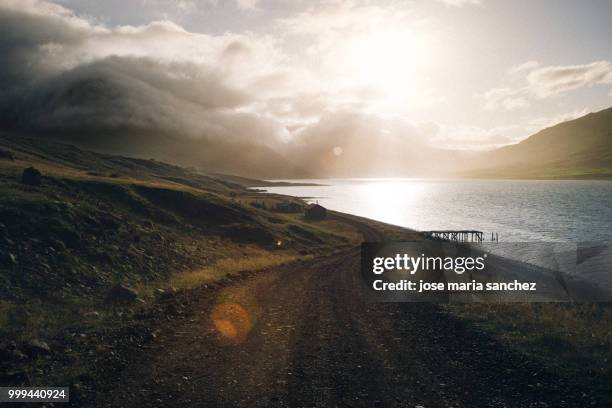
x=387 y=61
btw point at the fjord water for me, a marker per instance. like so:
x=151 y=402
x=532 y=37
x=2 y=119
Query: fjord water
x=518 y=210
x=562 y=216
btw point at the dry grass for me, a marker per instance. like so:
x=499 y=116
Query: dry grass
x=50 y=169
x=227 y=266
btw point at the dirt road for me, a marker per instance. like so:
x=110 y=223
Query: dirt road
x=301 y=335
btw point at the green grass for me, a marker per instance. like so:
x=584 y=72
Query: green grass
x=570 y=338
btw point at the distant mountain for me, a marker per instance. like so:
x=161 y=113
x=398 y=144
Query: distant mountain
x=580 y=148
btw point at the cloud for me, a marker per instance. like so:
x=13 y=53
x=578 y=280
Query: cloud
x=463 y=137
x=333 y=20
x=47 y=45
x=154 y=90
x=556 y=80
x=526 y=66
x=65 y=74
x=370 y=144
x=247 y=4
x=548 y=121
x=304 y=85
x=186 y=6
x=545 y=82
x=508 y=98
x=459 y=3
x=44 y=35
x=123 y=93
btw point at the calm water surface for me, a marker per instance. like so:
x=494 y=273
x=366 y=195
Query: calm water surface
x=519 y=210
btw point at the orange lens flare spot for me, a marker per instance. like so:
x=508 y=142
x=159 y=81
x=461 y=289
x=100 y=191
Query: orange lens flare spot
x=232 y=323
x=226 y=328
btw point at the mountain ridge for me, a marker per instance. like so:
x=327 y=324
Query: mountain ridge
x=579 y=148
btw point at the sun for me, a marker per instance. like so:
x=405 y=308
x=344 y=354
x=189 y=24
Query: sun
x=387 y=61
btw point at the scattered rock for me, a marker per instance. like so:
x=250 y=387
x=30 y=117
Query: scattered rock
x=7 y=154
x=168 y=293
x=16 y=355
x=6 y=350
x=6 y=241
x=35 y=347
x=58 y=245
x=121 y=294
x=110 y=223
x=10 y=259
x=31 y=177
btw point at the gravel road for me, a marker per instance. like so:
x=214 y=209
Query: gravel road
x=301 y=335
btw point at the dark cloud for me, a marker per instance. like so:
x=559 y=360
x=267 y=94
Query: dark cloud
x=52 y=87
x=112 y=93
x=27 y=42
x=123 y=93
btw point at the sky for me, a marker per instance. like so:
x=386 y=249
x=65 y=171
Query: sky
x=317 y=74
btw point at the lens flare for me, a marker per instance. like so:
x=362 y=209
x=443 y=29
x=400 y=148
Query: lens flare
x=232 y=323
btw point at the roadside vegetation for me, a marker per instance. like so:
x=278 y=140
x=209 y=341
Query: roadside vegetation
x=228 y=266
x=574 y=339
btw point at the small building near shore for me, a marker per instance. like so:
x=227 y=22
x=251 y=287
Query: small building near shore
x=315 y=212
x=288 y=207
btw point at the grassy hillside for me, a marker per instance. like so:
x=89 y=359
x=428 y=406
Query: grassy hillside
x=580 y=148
x=98 y=220
x=222 y=156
